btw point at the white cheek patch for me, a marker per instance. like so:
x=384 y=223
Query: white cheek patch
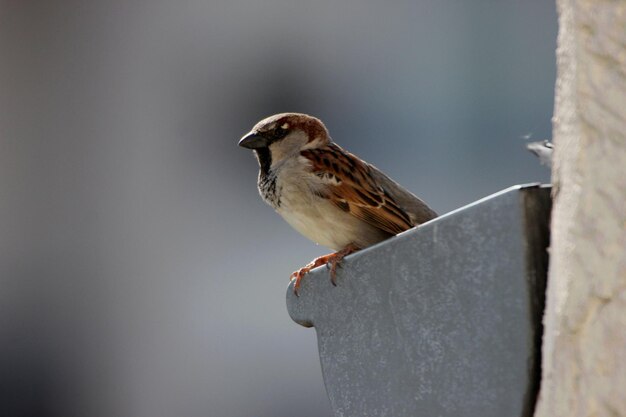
x=288 y=147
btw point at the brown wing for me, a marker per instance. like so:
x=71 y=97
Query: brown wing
x=352 y=188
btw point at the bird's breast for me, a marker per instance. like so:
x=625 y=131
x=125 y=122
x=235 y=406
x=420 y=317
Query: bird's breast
x=315 y=217
x=320 y=222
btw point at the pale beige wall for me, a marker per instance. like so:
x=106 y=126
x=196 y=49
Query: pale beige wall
x=584 y=347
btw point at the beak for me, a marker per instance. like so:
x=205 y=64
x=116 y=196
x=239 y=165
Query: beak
x=253 y=141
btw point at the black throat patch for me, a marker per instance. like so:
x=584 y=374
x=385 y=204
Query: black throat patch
x=265 y=159
x=267 y=179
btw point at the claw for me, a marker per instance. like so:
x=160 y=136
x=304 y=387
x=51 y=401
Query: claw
x=332 y=262
x=333 y=271
x=297 y=276
x=335 y=261
x=296 y=285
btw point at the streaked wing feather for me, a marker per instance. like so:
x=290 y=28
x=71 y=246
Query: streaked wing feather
x=351 y=187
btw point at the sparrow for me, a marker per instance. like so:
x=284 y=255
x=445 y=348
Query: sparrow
x=543 y=150
x=324 y=192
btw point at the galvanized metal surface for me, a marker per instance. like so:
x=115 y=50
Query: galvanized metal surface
x=443 y=320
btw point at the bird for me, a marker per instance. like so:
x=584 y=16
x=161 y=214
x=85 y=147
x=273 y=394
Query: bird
x=543 y=150
x=329 y=195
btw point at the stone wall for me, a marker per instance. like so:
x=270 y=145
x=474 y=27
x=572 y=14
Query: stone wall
x=584 y=347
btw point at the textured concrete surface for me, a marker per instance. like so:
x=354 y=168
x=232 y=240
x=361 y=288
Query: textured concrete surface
x=442 y=320
x=585 y=340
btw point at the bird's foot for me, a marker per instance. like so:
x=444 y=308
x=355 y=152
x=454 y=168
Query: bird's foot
x=334 y=260
x=331 y=260
x=300 y=273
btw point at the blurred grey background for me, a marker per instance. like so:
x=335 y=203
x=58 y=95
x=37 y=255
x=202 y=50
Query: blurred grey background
x=140 y=273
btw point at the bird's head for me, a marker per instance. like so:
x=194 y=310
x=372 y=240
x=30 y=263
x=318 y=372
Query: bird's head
x=284 y=135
